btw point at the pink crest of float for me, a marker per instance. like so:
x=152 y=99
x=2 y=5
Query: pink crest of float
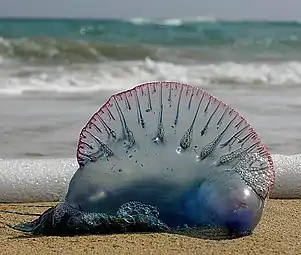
x=180 y=116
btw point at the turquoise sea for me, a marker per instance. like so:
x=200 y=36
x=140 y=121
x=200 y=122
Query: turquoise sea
x=137 y=39
x=54 y=73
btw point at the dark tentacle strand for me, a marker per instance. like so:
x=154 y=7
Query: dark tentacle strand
x=71 y=222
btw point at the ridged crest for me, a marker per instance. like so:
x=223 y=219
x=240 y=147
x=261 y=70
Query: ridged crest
x=170 y=127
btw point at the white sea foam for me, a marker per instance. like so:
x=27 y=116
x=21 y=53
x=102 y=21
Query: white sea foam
x=172 y=21
x=116 y=76
x=30 y=180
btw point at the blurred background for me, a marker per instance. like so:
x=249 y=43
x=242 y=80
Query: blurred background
x=60 y=61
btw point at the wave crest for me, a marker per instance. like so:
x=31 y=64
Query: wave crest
x=116 y=76
x=68 y=50
x=172 y=21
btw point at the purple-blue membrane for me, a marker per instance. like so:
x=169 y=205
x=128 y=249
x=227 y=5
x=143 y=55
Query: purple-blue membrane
x=220 y=201
x=224 y=202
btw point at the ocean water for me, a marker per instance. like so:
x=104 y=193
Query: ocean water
x=54 y=74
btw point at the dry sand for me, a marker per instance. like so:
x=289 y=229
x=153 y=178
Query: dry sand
x=279 y=232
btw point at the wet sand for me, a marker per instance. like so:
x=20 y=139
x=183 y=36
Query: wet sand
x=278 y=232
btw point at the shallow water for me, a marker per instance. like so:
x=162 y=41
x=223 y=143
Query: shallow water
x=48 y=125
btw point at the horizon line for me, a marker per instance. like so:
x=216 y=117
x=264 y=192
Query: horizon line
x=205 y=18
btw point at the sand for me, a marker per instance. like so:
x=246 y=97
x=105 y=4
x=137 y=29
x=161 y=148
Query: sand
x=278 y=232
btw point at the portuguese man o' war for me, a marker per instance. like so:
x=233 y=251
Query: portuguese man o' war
x=163 y=156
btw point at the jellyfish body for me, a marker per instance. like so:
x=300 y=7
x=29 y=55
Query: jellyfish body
x=164 y=156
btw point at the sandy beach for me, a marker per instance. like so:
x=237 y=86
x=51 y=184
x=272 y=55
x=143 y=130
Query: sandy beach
x=55 y=73
x=278 y=233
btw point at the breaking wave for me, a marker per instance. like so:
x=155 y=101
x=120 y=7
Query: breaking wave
x=83 y=56
x=119 y=75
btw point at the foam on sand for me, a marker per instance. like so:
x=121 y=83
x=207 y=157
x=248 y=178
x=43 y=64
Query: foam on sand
x=33 y=180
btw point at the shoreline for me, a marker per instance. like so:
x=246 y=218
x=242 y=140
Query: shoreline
x=277 y=233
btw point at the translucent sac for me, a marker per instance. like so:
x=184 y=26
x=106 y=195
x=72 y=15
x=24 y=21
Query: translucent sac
x=166 y=156
x=175 y=147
